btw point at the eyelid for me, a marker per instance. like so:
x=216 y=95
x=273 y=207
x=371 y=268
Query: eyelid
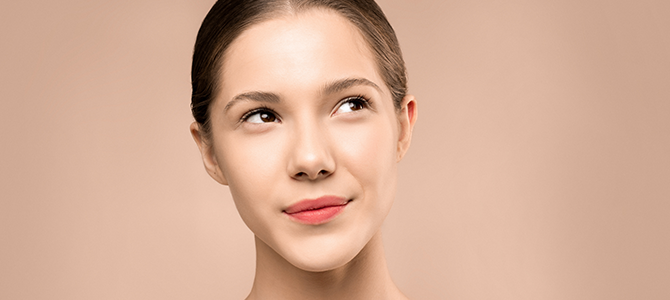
x=254 y=111
x=366 y=102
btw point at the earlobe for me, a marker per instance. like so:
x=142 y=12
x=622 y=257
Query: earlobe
x=207 y=153
x=407 y=118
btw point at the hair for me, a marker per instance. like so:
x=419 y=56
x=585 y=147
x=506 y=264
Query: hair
x=229 y=18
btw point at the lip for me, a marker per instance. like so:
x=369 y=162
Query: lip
x=316 y=211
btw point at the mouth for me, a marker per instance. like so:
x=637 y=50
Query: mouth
x=316 y=211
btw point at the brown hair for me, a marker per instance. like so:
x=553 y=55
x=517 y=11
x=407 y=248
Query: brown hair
x=229 y=18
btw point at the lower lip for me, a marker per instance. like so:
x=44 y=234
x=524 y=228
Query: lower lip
x=317 y=216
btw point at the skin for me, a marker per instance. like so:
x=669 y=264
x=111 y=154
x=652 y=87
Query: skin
x=310 y=73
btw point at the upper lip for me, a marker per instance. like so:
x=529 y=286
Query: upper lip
x=318 y=203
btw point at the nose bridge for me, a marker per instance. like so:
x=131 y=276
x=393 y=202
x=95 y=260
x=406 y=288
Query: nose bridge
x=311 y=154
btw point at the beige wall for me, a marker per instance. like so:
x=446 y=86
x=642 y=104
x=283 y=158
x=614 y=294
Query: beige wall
x=540 y=166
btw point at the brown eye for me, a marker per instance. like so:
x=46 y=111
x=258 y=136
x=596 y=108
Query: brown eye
x=268 y=117
x=352 y=104
x=260 y=117
x=355 y=105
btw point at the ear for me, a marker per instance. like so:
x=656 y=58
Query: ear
x=207 y=153
x=407 y=118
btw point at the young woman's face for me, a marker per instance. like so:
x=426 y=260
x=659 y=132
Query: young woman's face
x=303 y=115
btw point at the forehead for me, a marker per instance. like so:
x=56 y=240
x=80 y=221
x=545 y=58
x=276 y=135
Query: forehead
x=302 y=50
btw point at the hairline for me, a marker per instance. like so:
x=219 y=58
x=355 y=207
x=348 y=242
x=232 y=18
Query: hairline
x=385 y=53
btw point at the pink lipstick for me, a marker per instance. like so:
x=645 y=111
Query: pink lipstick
x=317 y=211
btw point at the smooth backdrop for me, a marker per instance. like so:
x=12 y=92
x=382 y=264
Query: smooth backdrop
x=539 y=169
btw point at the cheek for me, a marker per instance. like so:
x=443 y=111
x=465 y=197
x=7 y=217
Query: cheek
x=368 y=153
x=252 y=166
x=369 y=156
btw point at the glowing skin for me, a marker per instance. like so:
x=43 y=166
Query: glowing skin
x=303 y=114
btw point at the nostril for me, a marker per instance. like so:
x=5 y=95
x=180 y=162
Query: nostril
x=312 y=176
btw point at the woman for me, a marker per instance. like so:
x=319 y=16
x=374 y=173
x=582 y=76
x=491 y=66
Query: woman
x=301 y=109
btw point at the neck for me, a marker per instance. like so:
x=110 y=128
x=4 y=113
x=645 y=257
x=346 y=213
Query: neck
x=366 y=276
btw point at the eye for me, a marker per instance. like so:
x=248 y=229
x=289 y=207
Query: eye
x=260 y=116
x=352 y=104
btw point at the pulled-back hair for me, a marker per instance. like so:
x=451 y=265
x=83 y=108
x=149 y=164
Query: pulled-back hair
x=229 y=18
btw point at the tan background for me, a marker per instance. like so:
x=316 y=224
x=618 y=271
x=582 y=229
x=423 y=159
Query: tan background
x=540 y=167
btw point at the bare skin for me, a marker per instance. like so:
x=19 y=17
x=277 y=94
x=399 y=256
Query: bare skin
x=303 y=113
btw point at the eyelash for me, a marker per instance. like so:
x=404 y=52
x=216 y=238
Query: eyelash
x=362 y=99
x=365 y=102
x=254 y=111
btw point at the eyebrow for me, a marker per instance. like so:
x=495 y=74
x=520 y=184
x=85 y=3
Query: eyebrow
x=254 y=96
x=343 y=84
x=328 y=89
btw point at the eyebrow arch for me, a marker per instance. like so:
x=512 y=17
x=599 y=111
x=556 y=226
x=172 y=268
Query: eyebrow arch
x=329 y=88
x=343 y=84
x=255 y=96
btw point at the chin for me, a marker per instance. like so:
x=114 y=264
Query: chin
x=322 y=262
x=324 y=253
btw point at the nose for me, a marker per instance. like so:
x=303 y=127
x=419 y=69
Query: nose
x=311 y=157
